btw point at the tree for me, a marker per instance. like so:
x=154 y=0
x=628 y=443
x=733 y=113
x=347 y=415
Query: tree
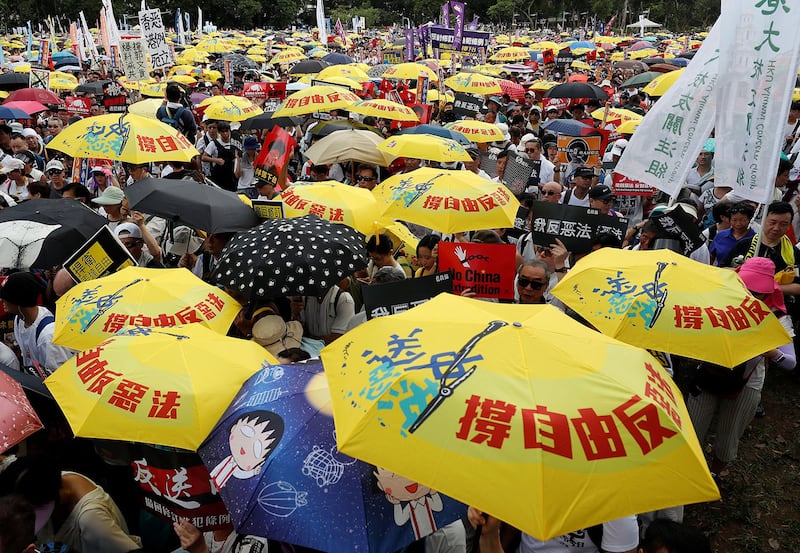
x=502 y=11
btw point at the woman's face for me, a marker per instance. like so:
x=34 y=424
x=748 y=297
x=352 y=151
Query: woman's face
x=425 y=257
x=739 y=222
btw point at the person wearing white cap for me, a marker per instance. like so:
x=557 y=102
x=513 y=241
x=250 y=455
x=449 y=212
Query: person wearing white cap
x=134 y=236
x=111 y=201
x=56 y=178
x=631 y=207
x=16 y=183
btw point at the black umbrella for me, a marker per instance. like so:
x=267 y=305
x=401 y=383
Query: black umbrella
x=194 y=204
x=327 y=127
x=45 y=233
x=95 y=87
x=577 y=90
x=336 y=58
x=13 y=81
x=265 y=121
x=308 y=67
x=282 y=257
x=240 y=62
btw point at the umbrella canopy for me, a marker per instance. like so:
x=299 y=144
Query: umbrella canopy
x=349 y=145
x=304 y=491
x=336 y=202
x=287 y=56
x=336 y=58
x=197 y=205
x=308 y=67
x=447 y=201
x=302 y=256
x=436 y=130
x=325 y=128
x=546 y=406
x=349 y=71
x=93 y=311
x=636 y=65
x=95 y=87
x=376 y=71
x=44 y=233
x=384 y=109
x=640 y=79
x=266 y=121
x=127 y=137
x=240 y=62
x=478 y=131
x=423 y=146
x=474 y=83
x=568 y=127
x=667 y=302
x=316 y=98
x=511 y=53
x=659 y=86
x=614 y=114
x=147 y=107
x=159 y=386
x=411 y=71
x=40 y=95
x=627 y=127
x=28 y=106
x=18 y=420
x=12 y=113
x=577 y=90
x=514 y=90
x=228 y=109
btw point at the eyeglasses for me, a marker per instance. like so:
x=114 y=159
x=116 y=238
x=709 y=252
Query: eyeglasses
x=360 y=178
x=531 y=150
x=55 y=172
x=550 y=193
x=534 y=284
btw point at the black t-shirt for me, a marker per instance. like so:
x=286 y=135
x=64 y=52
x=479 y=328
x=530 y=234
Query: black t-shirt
x=770 y=252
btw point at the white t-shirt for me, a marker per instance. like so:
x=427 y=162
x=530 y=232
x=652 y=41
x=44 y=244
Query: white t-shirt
x=619 y=535
x=41 y=350
x=329 y=315
x=574 y=200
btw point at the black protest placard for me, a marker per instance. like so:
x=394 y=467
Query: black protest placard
x=677 y=223
x=575 y=226
x=381 y=300
x=268 y=209
x=489 y=163
x=101 y=255
x=519 y=171
x=467 y=105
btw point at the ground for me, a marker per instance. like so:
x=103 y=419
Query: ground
x=760 y=506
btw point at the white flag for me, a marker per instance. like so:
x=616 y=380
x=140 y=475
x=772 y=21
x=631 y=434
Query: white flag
x=111 y=24
x=199 y=22
x=93 y=54
x=671 y=135
x=759 y=59
x=323 y=30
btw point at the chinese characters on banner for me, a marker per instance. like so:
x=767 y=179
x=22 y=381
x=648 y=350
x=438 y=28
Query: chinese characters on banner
x=458 y=31
x=272 y=162
x=391 y=298
x=133 y=59
x=155 y=38
x=579 y=150
x=575 y=226
x=101 y=255
x=666 y=144
x=758 y=57
x=78 y=105
x=623 y=186
x=486 y=269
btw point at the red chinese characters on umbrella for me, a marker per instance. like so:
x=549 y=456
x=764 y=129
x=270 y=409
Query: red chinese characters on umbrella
x=207 y=309
x=127 y=394
x=164 y=143
x=313 y=99
x=730 y=317
x=599 y=436
x=291 y=199
x=486 y=202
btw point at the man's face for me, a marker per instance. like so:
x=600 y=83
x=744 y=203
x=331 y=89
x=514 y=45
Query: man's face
x=533 y=149
x=704 y=159
x=582 y=182
x=33 y=143
x=776 y=225
x=95 y=109
x=602 y=204
x=212 y=130
x=551 y=192
x=18 y=144
x=552 y=114
x=781 y=179
x=56 y=177
x=366 y=179
x=531 y=284
x=138 y=172
x=134 y=246
x=54 y=127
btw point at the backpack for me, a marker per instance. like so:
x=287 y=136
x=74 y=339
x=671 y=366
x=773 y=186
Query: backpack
x=174 y=120
x=223 y=174
x=721 y=381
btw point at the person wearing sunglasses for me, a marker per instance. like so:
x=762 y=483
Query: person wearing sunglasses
x=551 y=192
x=16 y=183
x=602 y=198
x=533 y=279
x=133 y=236
x=366 y=177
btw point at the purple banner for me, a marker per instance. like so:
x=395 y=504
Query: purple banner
x=410 y=44
x=445 y=18
x=474 y=25
x=458 y=30
x=422 y=37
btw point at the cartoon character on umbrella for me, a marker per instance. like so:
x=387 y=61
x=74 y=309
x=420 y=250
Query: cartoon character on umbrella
x=253 y=437
x=420 y=501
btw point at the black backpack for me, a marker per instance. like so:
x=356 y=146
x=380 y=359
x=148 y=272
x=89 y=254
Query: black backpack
x=721 y=381
x=174 y=120
x=222 y=175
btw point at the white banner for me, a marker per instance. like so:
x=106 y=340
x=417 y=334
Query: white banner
x=111 y=23
x=323 y=29
x=155 y=38
x=758 y=58
x=199 y=23
x=671 y=135
x=89 y=39
x=133 y=59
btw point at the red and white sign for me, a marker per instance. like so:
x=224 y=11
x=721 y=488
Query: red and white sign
x=488 y=270
x=623 y=186
x=78 y=106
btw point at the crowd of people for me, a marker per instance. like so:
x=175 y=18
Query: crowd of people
x=93 y=512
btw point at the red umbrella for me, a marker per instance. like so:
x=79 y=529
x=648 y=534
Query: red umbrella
x=578 y=78
x=28 y=106
x=34 y=95
x=18 y=420
x=515 y=91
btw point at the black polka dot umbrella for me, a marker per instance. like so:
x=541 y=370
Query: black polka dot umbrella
x=282 y=257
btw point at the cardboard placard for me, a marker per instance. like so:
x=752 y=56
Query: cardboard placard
x=268 y=209
x=579 y=150
x=623 y=186
x=155 y=38
x=390 y=298
x=575 y=226
x=77 y=105
x=133 y=59
x=467 y=105
x=680 y=225
x=39 y=78
x=486 y=269
x=114 y=98
x=101 y=255
x=519 y=171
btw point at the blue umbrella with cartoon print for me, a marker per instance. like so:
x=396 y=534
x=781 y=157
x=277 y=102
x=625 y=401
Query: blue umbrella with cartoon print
x=273 y=458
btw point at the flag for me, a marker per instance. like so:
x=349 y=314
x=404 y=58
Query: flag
x=409 y=46
x=759 y=65
x=272 y=162
x=611 y=22
x=340 y=32
x=178 y=25
x=458 y=30
x=30 y=41
x=668 y=140
x=473 y=26
x=445 y=17
x=199 y=22
x=87 y=36
x=323 y=29
x=591 y=55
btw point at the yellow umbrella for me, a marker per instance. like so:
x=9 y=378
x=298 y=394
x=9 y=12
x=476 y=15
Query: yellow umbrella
x=183 y=79
x=128 y=138
x=546 y=45
x=348 y=71
x=181 y=69
x=514 y=407
x=164 y=386
x=435 y=96
x=339 y=203
x=385 y=109
x=22 y=68
x=192 y=55
x=643 y=53
x=627 y=127
x=578 y=64
x=447 y=201
x=153 y=90
x=665 y=301
x=232 y=110
x=316 y=98
x=660 y=85
x=477 y=131
x=257 y=58
x=616 y=113
x=222 y=98
x=473 y=83
x=95 y=310
x=424 y=146
x=146 y=108
x=410 y=70
x=511 y=53
x=334 y=80
x=398 y=232
x=214 y=46
x=287 y=56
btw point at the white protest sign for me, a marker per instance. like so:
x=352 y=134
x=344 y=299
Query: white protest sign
x=155 y=38
x=133 y=58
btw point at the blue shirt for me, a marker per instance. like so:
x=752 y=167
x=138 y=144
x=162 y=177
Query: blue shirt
x=724 y=242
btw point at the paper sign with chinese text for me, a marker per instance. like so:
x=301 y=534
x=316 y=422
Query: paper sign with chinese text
x=155 y=38
x=486 y=269
x=78 y=105
x=102 y=255
x=623 y=186
x=133 y=59
x=268 y=209
x=579 y=150
x=391 y=298
x=575 y=226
